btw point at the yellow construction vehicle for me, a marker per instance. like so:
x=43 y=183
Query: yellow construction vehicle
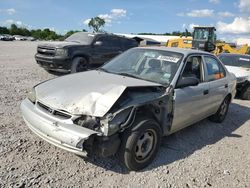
x=226 y=48
x=182 y=42
x=204 y=38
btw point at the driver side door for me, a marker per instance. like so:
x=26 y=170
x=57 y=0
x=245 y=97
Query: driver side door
x=191 y=102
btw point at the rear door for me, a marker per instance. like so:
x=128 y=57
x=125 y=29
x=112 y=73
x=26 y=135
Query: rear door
x=191 y=102
x=218 y=84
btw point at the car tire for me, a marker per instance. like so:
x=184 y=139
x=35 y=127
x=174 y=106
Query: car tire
x=220 y=115
x=245 y=93
x=140 y=144
x=79 y=64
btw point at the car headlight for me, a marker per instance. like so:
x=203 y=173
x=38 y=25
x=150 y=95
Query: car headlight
x=242 y=79
x=32 y=95
x=61 y=52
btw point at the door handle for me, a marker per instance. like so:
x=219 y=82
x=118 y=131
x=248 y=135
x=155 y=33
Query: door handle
x=226 y=85
x=205 y=92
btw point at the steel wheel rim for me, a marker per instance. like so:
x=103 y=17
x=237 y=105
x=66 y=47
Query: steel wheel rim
x=145 y=145
x=223 y=108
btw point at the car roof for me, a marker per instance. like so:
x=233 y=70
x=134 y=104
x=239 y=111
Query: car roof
x=185 y=51
x=111 y=34
x=230 y=54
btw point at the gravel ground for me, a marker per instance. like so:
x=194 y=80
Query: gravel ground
x=203 y=155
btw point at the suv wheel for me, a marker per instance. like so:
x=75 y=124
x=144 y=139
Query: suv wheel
x=140 y=145
x=79 y=64
x=220 y=115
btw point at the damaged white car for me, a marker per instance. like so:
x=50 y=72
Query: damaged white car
x=239 y=65
x=126 y=106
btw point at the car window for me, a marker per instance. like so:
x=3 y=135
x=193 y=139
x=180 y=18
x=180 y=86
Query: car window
x=215 y=70
x=128 y=43
x=106 y=41
x=193 y=68
x=157 y=66
x=228 y=60
x=244 y=61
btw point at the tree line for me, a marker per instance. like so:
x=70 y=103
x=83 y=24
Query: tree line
x=175 y=33
x=41 y=34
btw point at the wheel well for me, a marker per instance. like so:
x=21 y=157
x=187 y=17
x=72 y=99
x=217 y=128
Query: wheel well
x=143 y=113
x=84 y=56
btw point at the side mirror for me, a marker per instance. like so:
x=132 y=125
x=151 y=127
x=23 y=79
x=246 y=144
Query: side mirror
x=98 y=43
x=187 y=81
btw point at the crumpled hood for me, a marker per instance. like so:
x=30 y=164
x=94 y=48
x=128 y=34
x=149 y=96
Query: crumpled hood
x=239 y=71
x=89 y=93
x=59 y=44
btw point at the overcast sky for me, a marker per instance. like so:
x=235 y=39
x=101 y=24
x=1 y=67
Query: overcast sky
x=230 y=17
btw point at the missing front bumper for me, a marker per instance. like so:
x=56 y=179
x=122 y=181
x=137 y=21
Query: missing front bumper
x=61 y=133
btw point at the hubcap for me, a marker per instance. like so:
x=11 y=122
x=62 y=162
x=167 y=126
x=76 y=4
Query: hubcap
x=223 y=108
x=145 y=145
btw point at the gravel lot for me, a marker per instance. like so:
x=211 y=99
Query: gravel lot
x=203 y=155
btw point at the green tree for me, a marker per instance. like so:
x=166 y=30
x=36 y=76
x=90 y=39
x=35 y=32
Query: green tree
x=13 y=29
x=96 y=23
x=4 y=30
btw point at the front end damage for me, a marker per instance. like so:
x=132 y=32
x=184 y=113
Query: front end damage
x=85 y=134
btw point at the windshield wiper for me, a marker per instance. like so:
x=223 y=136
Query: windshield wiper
x=127 y=74
x=102 y=69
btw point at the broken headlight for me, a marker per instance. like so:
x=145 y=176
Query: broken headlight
x=32 y=95
x=114 y=122
x=89 y=122
x=61 y=52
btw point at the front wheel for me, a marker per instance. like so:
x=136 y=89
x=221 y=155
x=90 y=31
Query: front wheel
x=220 y=115
x=79 y=64
x=139 y=147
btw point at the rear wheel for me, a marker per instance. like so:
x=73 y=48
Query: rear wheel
x=220 y=115
x=79 y=64
x=245 y=93
x=139 y=146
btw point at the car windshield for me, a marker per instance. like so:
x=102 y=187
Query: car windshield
x=237 y=60
x=81 y=37
x=153 y=65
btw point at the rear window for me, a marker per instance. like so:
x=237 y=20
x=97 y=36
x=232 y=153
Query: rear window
x=237 y=60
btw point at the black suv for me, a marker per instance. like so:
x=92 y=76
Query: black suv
x=81 y=51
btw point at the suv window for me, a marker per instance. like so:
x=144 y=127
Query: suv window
x=215 y=70
x=110 y=41
x=193 y=68
x=128 y=43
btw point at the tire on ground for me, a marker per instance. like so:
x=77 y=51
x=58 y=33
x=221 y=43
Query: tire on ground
x=79 y=64
x=220 y=115
x=143 y=139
